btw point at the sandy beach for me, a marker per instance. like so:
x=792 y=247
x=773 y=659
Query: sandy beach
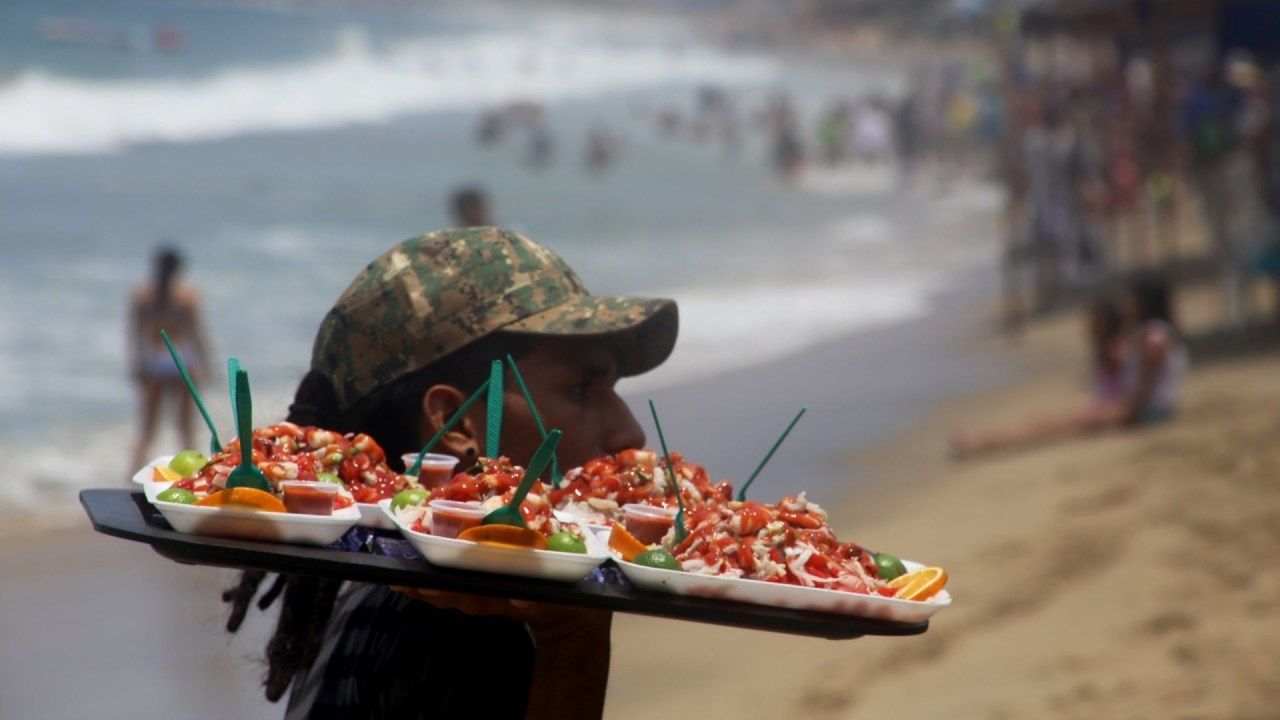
x=1124 y=576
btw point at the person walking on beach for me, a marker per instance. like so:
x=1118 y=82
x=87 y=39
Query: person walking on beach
x=395 y=357
x=164 y=303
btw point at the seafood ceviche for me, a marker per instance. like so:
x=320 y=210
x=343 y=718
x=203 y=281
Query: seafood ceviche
x=788 y=542
x=457 y=509
x=597 y=491
x=353 y=463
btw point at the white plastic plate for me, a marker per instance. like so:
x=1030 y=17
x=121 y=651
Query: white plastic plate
x=466 y=555
x=152 y=489
x=789 y=596
x=372 y=516
x=258 y=525
x=143 y=476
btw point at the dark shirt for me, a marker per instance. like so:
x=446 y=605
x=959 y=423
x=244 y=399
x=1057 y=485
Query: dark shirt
x=385 y=655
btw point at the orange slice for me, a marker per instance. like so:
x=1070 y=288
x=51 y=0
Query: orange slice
x=625 y=543
x=506 y=535
x=243 y=498
x=920 y=584
x=160 y=473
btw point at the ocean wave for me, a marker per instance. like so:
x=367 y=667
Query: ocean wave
x=353 y=84
x=733 y=328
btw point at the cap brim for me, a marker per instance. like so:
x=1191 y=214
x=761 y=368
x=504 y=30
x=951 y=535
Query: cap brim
x=642 y=331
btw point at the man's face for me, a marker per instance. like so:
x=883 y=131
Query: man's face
x=572 y=384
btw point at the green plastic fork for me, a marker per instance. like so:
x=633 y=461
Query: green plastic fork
x=246 y=474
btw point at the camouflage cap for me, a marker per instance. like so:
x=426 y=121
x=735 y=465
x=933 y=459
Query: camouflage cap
x=437 y=293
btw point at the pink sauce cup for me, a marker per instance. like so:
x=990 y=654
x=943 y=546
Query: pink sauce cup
x=437 y=470
x=646 y=522
x=449 y=518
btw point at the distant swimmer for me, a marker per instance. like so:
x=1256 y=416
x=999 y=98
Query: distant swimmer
x=490 y=129
x=169 y=38
x=668 y=122
x=541 y=148
x=164 y=303
x=601 y=150
x=788 y=152
x=469 y=207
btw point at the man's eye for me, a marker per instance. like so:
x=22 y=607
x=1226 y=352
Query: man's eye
x=579 y=391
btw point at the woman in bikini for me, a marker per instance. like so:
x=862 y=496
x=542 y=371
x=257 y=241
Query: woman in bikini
x=164 y=303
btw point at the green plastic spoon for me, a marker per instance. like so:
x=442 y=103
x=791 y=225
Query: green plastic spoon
x=556 y=476
x=742 y=494
x=215 y=447
x=681 y=530
x=457 y=415
x=509 y=514
x=246 y=474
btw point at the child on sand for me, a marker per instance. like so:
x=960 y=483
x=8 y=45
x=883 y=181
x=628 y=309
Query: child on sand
x=1137 y=368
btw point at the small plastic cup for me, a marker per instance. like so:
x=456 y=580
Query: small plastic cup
x=647 y=523
x=449 y=518
x=308 y=497
x=437 y=469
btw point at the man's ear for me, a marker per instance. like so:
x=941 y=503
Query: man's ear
x=439 y=403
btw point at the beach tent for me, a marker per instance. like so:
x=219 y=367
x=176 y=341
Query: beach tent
x=1253 y=26
x=1249 y=25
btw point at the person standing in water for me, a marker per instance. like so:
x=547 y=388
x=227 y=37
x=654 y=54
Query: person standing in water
x=469 y=207
x=164 y=303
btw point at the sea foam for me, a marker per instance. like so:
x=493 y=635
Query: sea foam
x=352 y=84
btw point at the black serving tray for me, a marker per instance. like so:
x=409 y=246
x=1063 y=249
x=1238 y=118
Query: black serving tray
x=380 y=558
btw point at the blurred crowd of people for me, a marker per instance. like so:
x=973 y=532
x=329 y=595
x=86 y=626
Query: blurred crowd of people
x=526 y=123
x=1099 y=161
x=1098 y=154
x=946 y=118
x=162 y=37
x=944 y=121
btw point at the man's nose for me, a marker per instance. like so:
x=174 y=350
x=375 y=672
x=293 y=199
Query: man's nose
x=624 y=432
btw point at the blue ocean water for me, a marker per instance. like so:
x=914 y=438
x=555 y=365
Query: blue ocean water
x=286 y=146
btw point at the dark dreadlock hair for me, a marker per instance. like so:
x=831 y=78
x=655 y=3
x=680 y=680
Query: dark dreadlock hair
x=168 y=263
x=390 y=414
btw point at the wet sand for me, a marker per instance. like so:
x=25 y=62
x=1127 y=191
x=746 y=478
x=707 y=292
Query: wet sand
x=91 y=626
x=1125 y=576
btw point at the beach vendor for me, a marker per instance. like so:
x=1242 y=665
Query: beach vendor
x=400 y=351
